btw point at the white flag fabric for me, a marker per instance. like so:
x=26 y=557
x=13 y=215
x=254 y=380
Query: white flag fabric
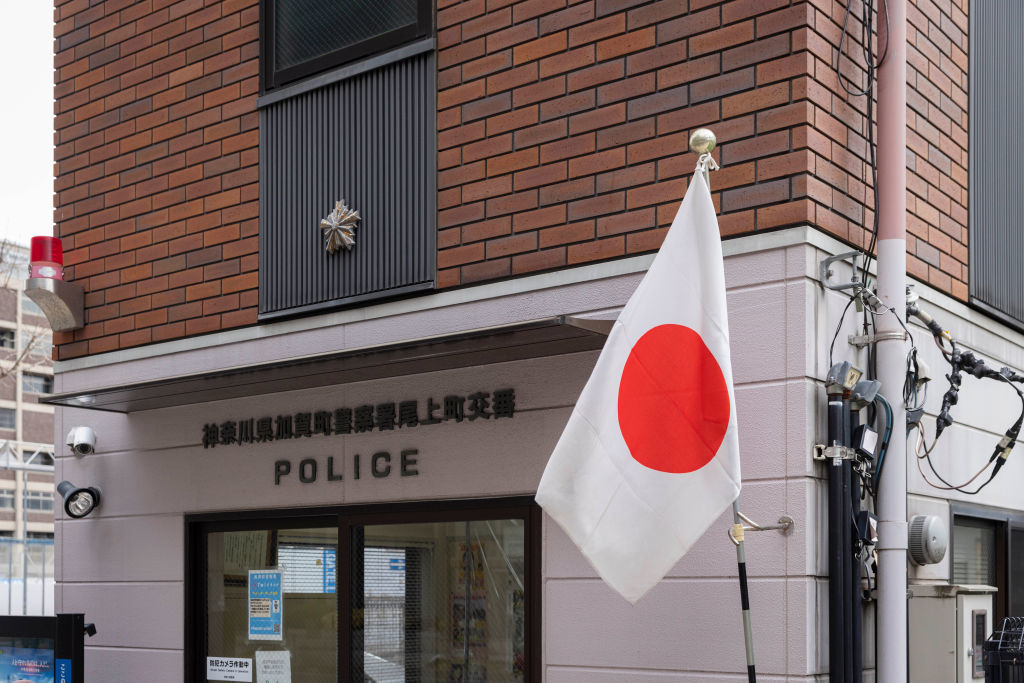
x=650 y=455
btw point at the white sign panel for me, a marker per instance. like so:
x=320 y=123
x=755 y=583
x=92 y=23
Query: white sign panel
x=228 y=669
x=273 y=666
x=266 y=608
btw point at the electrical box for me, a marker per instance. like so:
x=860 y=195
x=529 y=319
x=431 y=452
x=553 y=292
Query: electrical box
x=948 y=625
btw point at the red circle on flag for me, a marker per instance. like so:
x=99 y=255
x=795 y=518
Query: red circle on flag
x=673 y=401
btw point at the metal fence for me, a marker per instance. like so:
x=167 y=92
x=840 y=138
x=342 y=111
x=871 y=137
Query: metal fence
x=26 y=576
x=1004 y=653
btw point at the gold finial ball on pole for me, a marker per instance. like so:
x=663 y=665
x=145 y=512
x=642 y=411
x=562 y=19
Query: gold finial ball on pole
x=702 y=141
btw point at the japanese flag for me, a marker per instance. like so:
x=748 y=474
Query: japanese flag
x=650 y=456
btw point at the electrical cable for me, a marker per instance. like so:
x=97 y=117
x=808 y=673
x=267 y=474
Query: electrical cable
x=842 y=317
x=880 y=460
x=961 y=361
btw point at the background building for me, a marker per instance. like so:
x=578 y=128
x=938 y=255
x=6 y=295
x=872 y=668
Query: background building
x=26 y=443
x=515 y=164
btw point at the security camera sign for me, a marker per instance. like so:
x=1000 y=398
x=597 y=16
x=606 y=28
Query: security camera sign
x=266 y=608
x=229 y=669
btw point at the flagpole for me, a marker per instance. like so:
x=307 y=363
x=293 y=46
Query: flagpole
x=702 y=142
x=741 y=563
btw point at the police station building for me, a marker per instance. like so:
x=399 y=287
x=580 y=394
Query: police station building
x=345 y=268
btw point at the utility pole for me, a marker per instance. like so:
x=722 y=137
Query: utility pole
x=892 y=277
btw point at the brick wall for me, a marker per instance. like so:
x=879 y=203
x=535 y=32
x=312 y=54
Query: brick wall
x=937 y=141
x=937 y=79
x=156 y=161
x=562 y=139
x=564 y=128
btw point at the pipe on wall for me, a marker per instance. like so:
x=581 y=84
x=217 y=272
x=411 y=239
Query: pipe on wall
x=892 y=269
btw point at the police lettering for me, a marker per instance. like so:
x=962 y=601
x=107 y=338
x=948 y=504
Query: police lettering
x=380 y=464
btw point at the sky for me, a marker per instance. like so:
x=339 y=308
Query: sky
x=26 y=120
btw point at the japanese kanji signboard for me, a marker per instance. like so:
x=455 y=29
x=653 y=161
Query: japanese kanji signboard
x=387 y=416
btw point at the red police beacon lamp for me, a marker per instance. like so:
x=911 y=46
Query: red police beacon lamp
x=63 y=303
x=46 y=258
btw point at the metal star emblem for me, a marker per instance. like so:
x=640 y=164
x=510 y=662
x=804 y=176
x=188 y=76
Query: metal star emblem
x=340 y=227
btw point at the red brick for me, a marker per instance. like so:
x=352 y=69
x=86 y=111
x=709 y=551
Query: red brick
x=512 y=244
x=596 y=206
x=630 y=42
x=520 y=201
x=539 y=260
x=486 y=270
x=460 y=255
x=595 y=163
x=541 y=47
x=596 y=75
x=512 y=162
x=568 y=147
x=513 y=35
x=486 y=229
x=567 y=61
x=567 y=234
x=690 y=24
x=596 y=30
x=541 y=175
x=596 y=251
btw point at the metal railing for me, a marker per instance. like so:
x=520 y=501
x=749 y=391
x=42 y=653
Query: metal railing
x=26 y=576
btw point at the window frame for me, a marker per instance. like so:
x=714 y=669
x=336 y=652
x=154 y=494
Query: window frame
x=40 y=498
x=1006 y=522
x=344 y=518
x=32 y=376
x=272 y=78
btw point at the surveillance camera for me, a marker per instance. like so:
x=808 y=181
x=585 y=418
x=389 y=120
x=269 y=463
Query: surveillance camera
x=82 y=440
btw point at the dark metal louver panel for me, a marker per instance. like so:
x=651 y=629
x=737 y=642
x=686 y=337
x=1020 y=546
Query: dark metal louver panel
x=997 y=158
x=369 y=140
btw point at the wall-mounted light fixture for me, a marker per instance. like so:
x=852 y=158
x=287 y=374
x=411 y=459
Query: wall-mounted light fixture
x=78 y=502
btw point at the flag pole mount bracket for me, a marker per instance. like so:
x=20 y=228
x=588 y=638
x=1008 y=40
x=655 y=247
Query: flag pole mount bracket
x=862 y=340
x=785 y=525
x=855 y=282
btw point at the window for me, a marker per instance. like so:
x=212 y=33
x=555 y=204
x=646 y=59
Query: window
x=36 y=384
x=304 y=37
x=425 y=593
x=1017 y=572
x=989 y=550
x=6 y=418
x=6 y=339
x=6 y=499
x=974 y=552
x=38 y=501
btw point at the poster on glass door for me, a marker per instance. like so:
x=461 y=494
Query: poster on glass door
x=266 y=605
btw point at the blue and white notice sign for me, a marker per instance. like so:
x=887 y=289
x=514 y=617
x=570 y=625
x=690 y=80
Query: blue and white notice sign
x=330 y=562
x=266 y=605
x=63 y=673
